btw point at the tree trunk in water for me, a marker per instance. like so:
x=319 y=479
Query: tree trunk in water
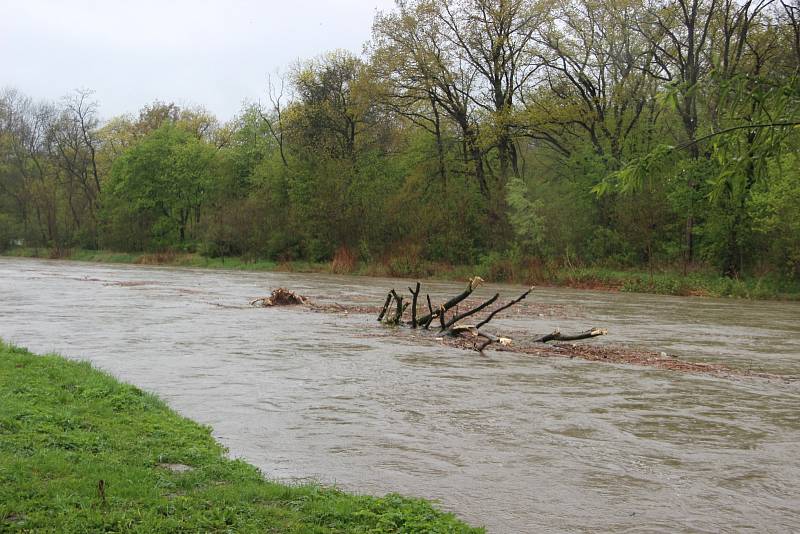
x=452 y=327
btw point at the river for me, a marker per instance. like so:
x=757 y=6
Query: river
x=513 y=442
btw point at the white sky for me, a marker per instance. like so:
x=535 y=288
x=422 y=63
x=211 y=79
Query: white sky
x=213 y=53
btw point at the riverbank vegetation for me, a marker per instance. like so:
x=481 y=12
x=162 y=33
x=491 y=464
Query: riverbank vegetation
x=82 y=452
x=637 y=145
x=495 y=268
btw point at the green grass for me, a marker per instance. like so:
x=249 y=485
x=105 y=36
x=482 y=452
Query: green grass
x=494 y=268
x=175 y=259
x=104 y=256
x=674 y=283
x=65 y=426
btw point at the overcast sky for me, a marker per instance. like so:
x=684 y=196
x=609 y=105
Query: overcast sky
x=213 y=53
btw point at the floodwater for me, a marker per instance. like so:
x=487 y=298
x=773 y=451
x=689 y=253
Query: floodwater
x=513 y=442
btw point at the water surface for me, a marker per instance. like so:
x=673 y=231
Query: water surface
x=517 y=443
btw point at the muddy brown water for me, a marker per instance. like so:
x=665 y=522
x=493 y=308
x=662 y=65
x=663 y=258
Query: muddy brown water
x=515 y=443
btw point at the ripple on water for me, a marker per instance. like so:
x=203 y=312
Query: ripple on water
x=520 y=444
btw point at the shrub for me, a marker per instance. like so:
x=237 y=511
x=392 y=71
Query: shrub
x=344 y=260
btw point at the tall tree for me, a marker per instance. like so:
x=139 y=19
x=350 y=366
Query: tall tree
x=170 y=175
x=495 y=38
x=680 y=32
x=425 y=78
x=595 y=63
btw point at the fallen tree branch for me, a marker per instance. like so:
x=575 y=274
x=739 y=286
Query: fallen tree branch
x=430 y=314
x=459 y=330
x=475 y=310
x=504 y=341
x=451 y=326
x=465 y=337
x=473 y=284
x=385 y=306
x=414 y=294
x=501 y=308
x=558 y=336
x=398 y=314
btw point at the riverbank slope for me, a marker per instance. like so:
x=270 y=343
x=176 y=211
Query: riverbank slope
x=495 y=269
x=82 y=452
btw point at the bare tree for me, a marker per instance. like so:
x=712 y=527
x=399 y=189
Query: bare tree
x=495 y=37
x=595 y=63
x=27 y=127
x=274 y=118
x=73 y=145
x=425 y=79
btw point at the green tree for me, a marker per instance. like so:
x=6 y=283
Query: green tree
x=168 y=175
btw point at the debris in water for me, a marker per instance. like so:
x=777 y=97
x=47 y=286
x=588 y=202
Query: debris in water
x=280 y=297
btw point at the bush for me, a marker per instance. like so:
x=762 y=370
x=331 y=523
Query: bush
x=344 y=261
x=608 y=246
x=500 y=266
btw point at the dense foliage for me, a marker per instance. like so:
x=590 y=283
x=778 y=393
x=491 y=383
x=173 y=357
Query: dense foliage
x=618 y=133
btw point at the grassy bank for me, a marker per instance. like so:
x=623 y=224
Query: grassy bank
x=138 y=258
x=494 y=268
x=82 y=452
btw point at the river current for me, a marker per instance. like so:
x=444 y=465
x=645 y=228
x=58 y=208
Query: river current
x=513 y=442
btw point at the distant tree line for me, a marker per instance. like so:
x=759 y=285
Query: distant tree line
x=621 y=133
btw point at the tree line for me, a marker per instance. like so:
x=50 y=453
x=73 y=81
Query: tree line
x=621 y=133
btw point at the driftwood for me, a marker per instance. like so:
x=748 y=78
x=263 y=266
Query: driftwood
x=501 y=308
x=558 y=336
x=473 y=311
x=472 y=331
x=430 y=315
x=399 y=310
x=452 y=326
x=472 y=337
x=415 y=294
x=473 y=284
x=280 y=297
x=385 y=306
